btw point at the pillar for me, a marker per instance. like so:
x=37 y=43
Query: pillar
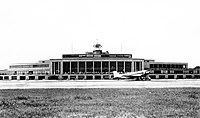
x=101 y=67
x=93 y=68
x=101 y=77
x=50 y=66
x=157 y=76
x=124 y=66
x=166 y=76
x=46 y=77
x=116 y=66
x=142 y=65
x=175 y=76
x=77 y=66
x=60 y=77
x=108 y=66
x=61 y=67
x=70 y=67
x=85 y=67
x=36 y=77
x=27 y=78
x=184 y=76
x=132 y=66
x=18 y=78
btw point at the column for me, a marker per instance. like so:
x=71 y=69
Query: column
x=124 y=67
x=53 y=72
x=116 y=66
x=46 y=77
x=184 y=76
x=108 y=66
x=54 y=67
x=61 y=67
x=85 y=67
x=26 y=77
x=166 y=76
x=93 y=68
x=60 y=77
x=132 y=66
x=18 y=77
x=175 y=76
x=36 y=77
x=77 y=66
x=142 y=62
x=50 y=66
x=157 y=76
x=101 y=67
x=70 y=67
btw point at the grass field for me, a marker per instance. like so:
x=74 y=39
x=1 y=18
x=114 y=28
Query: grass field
x=100 y=103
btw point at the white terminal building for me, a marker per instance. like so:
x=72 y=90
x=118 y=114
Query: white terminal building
x=95 y=65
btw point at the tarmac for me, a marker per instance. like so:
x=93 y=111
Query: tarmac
x=45 y=84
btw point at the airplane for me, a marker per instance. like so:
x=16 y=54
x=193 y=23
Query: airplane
x=139 y=75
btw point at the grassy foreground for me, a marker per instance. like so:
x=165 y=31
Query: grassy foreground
x=101 y=103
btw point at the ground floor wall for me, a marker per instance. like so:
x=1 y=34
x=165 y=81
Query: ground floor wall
x=174 y=76
x=58 y=77
x=92 y=77
x=24 y=77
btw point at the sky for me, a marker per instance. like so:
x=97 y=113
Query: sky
x=163 y=30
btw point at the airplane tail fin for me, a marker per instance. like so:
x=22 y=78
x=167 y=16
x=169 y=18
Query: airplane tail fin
x=116 y=74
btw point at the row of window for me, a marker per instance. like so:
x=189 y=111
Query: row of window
x=174 y=72
x=96 y=55
x=175 y=77
x=31 y=72
x=95 y=67
x=167 y=66
x=30 y=66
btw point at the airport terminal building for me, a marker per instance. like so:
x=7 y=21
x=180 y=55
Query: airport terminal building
x=95 y=65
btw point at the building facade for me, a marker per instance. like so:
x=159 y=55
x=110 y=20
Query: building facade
x=27 y=71
x=170 y=70
x=88 y=66
x=96 y=65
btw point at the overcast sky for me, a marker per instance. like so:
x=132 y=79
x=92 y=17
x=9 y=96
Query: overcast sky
x=164 y=30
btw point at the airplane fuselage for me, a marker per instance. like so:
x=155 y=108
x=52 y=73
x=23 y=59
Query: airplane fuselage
x=139 y=75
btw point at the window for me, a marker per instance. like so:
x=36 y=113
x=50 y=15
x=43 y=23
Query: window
x=82 y=67
x=89 y=66
x=112 y=66
x=105 y=66
x=97 y=66
x=120 y=66
x=128 y=66
x=66 y=67
x=74 y=67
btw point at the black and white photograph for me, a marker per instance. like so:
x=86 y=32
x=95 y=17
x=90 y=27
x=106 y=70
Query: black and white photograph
x=99 y=59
